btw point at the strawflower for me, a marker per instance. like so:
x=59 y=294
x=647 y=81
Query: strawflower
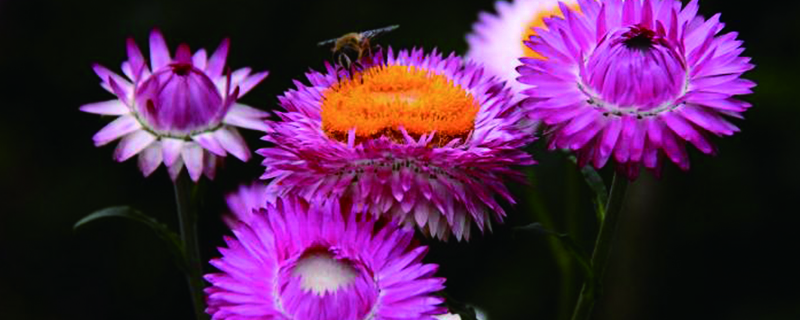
x=179 y=110
x=423 y=139
x=634 y=81
x=295 y=261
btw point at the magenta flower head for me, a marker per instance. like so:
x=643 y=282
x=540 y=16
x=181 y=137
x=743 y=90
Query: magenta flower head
x=422 y=139
x=179 y=111
x=292 y=261
x=634 y=81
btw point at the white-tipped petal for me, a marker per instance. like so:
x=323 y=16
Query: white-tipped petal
x=132 y=144
x=232 y=141
x=116 y=129
x=192 y=154
x=175 y=169
x=172 y=150
x=111 y=108
x=246 y=117
x=207 y=141
x=150 y=158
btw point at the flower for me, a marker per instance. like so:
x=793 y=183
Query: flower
x=636 y=80
x=295 y=261
x=424 y=139
x=497 y=40
x=179 y=111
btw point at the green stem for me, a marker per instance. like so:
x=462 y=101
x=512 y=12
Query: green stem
x=542 y=215
x=602 y=249
x=572 y=227
x=187 y=219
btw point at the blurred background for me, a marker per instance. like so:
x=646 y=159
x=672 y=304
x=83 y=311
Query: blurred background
x=717 y=242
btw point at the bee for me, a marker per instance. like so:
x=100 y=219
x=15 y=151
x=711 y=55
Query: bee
x=349 y=49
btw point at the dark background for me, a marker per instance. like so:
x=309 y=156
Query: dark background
x=717 y=242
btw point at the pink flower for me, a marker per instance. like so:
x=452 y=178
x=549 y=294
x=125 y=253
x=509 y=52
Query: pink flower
x=292 y=261
x=634 y=81
x=422 y=139
x=179 y=111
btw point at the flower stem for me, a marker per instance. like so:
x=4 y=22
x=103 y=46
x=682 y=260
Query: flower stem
x=602 y=248
x=571 y=227
x=563 y=260
x=187 y=219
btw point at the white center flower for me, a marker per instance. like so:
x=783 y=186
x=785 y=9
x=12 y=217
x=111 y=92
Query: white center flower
x=321 y=272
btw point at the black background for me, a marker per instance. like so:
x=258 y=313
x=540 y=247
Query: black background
x=717 y=242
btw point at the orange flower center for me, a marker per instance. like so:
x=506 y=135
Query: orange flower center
x=538 y=22
x=380 y=100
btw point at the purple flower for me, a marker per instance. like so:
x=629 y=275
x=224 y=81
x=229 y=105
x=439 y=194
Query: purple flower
x=292 y=261
x=634 y=81
x=179 y=111
x=422 y=139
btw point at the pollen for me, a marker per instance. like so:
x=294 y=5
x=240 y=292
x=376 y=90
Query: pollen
x=538 y=22
x=380 y=100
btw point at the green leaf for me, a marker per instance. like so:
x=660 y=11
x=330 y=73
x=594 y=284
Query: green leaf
x=170 y=238
x=569 y=244
x=595 y=182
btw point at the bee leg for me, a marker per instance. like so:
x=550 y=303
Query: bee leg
x=348 y=67
x=357 y=66
x=342 y=59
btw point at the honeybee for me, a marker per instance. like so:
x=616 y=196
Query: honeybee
x=349 y=49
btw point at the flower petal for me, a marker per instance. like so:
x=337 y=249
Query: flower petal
x=136 y=59
x=207 y=141
x=246 y=117
x=132 y=144
x=159 y=52
x=192 y=155
x=172 y=150
x=150 y=158
x=216 y=64
x=199 y=59
x=248 y=83
x=175 y=169
x=230 y=139
x=110 y=107
x=116 y=129
x=210 y=165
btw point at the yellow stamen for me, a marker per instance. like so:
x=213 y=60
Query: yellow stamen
x=381 y=99
x=538 y=22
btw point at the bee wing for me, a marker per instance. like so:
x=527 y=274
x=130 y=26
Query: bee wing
x=327 y=42
x=376 y=32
